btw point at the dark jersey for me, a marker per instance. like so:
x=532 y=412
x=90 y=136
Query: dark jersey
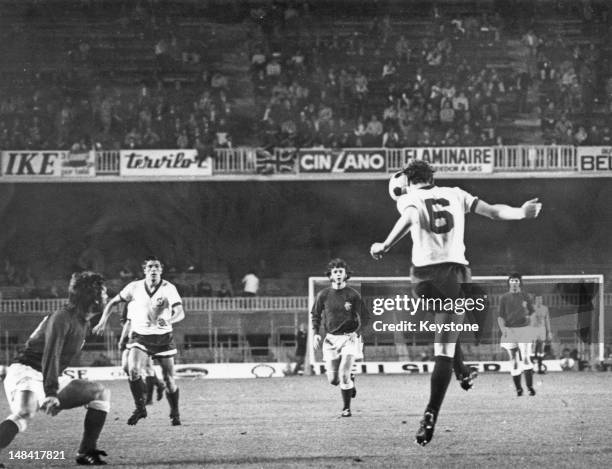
x=515 y=309
x=341 y=311
x=54 y=343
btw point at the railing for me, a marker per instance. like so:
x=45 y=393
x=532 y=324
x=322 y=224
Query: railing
x=535 y=158
x=235 y=160
x=245 y=304
x=242 y=304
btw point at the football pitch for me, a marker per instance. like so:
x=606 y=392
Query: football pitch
x=293 y=423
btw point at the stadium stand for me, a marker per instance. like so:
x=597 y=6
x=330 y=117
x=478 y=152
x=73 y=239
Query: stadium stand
x=183 y=73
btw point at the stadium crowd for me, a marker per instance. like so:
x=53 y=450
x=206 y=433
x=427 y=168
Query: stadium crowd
x=305 y=77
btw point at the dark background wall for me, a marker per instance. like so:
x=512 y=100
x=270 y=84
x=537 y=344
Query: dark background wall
x=286 y=228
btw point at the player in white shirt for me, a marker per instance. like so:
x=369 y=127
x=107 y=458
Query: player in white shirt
x=435 y=218
x=153 y=306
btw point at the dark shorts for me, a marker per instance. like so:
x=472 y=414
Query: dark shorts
x=155 y=345
x=441 y=280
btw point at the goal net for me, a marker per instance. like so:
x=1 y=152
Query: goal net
x=395 y=334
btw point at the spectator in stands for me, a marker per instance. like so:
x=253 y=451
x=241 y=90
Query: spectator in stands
x=360 y=132
x=150 y=139
x=447 y=114
x=373 y=132
x=133 y=139
x=250 y=283
x=593 y=136
x=581 y=136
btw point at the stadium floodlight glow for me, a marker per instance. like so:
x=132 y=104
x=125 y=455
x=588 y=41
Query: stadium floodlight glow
x=575 y=301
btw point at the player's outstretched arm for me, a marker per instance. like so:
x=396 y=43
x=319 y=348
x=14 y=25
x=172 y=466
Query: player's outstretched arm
x=399 y=230
x=108 y=310
x=530 y=209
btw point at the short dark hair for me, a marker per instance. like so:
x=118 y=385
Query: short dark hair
x=515 y=275
x=85 y=288
x=419 y=171
x=151 y=258
x=337 y=263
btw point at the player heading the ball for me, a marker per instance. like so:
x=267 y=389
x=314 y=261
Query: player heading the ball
x=435 y=217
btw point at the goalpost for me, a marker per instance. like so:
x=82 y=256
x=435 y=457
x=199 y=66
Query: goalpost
x=575 y=304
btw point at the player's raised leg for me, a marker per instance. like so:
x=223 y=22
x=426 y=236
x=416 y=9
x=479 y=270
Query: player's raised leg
x=444 y=351
x=172 y=390
x=97 y=400
x=136 y=361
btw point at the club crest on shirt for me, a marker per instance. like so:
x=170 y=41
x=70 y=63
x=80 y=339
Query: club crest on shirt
x=348 y=305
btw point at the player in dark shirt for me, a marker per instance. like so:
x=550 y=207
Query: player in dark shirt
x=33 y=379
x=515 y=309
x=343 y=314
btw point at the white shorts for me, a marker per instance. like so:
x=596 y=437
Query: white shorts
x=20 y=377
x=335 y=346
x=517 y=335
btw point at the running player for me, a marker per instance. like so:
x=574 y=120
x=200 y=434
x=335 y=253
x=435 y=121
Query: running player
x=435 y=217
x=153 y=306
x=343 y=314
x=515 y=309
x=33 y=380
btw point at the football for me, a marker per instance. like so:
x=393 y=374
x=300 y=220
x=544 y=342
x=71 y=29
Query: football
x=398 y=185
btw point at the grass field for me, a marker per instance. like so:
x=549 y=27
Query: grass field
x=293 y=423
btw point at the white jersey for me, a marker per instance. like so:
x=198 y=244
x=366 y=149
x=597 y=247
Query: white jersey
x=438 y=235
x=145 y=307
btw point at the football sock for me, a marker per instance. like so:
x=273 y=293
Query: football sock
x=529 y=378
x=517 y=381
x=346 y=398
x=94 y=421
x=138 y=389
x=173 y=400
x=8 y=431
x=459 y=367
x=150 y=380
x=440 y=378
x=539 y=362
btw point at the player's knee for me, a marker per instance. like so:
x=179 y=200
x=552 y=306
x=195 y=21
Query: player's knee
x=170 y=382
x=20 y=420
x=134 y=374
x=345 y=381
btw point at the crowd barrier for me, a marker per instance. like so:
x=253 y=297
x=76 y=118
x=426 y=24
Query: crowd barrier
x=237 y=304
x=463 y=161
